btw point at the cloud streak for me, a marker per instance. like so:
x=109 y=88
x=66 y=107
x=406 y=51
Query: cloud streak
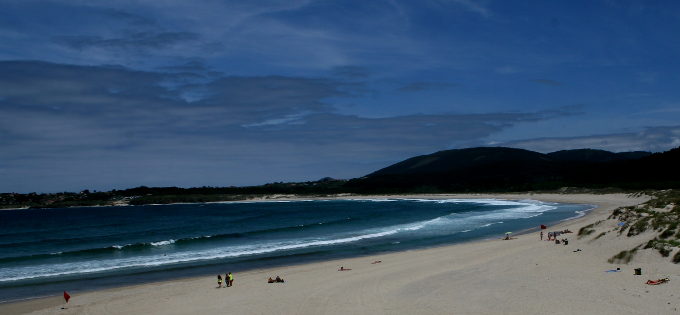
x=474 y=6
x=547 y=82
x=423 y=86
x=654 y=139
x=135 y=41
x=73 y=114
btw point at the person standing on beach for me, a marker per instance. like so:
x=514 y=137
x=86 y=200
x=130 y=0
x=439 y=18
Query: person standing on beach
x=541 y=235
x=230 y=279
x=219 y=281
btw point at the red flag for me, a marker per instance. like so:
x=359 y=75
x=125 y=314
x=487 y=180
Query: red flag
x=66 y=296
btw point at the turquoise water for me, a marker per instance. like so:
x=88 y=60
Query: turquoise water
x=43 y=251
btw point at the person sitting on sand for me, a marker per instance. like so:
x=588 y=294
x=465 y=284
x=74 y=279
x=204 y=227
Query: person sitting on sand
x=279 y=279
x=376 y=262
x=270 y=280
x=343 y=269
x=219 y=281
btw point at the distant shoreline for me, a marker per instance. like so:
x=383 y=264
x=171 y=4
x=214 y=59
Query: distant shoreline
x=342 y=196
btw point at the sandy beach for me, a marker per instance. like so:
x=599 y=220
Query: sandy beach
x=519 y=276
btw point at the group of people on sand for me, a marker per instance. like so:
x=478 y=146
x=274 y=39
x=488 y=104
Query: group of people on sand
x=278 y=279
x=564 y=241
x=552 y=236
x=229 y=278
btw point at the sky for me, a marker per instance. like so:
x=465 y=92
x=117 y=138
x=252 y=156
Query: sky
x=107 y=95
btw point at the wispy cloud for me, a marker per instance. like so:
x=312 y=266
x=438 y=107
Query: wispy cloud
x=72 y=114
x=474 y=6
x=279 y=35
x=137 y=41
x=507 y=70
x=134 y=19
x=422 y=86
x=194 y=66
x=547 y=82
x=653 y=139
x=351 y=72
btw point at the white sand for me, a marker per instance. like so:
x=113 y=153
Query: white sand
x=519 y=276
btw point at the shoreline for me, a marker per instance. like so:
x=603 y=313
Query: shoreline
x=341 y=196
x=198 y=271
x=98 y=298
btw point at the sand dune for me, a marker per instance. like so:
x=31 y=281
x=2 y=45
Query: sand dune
x=519 y=276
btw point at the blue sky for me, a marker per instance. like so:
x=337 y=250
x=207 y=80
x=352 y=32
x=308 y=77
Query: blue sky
x=117 y=94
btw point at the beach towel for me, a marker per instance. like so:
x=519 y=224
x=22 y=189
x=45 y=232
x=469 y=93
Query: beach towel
x=660 y=281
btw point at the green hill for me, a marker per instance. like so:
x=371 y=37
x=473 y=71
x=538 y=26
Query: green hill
x=509 y=169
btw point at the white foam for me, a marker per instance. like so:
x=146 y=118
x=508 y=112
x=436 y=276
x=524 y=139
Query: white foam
x=121 y=246
x=478 y=219
x=375 y=200
x=580 y=213
x=495 y=202
x=162 y=243
x=443 y=225
x=258 y=201
x=93 y=266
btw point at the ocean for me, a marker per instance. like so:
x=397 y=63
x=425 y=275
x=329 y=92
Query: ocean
x=46 y=251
